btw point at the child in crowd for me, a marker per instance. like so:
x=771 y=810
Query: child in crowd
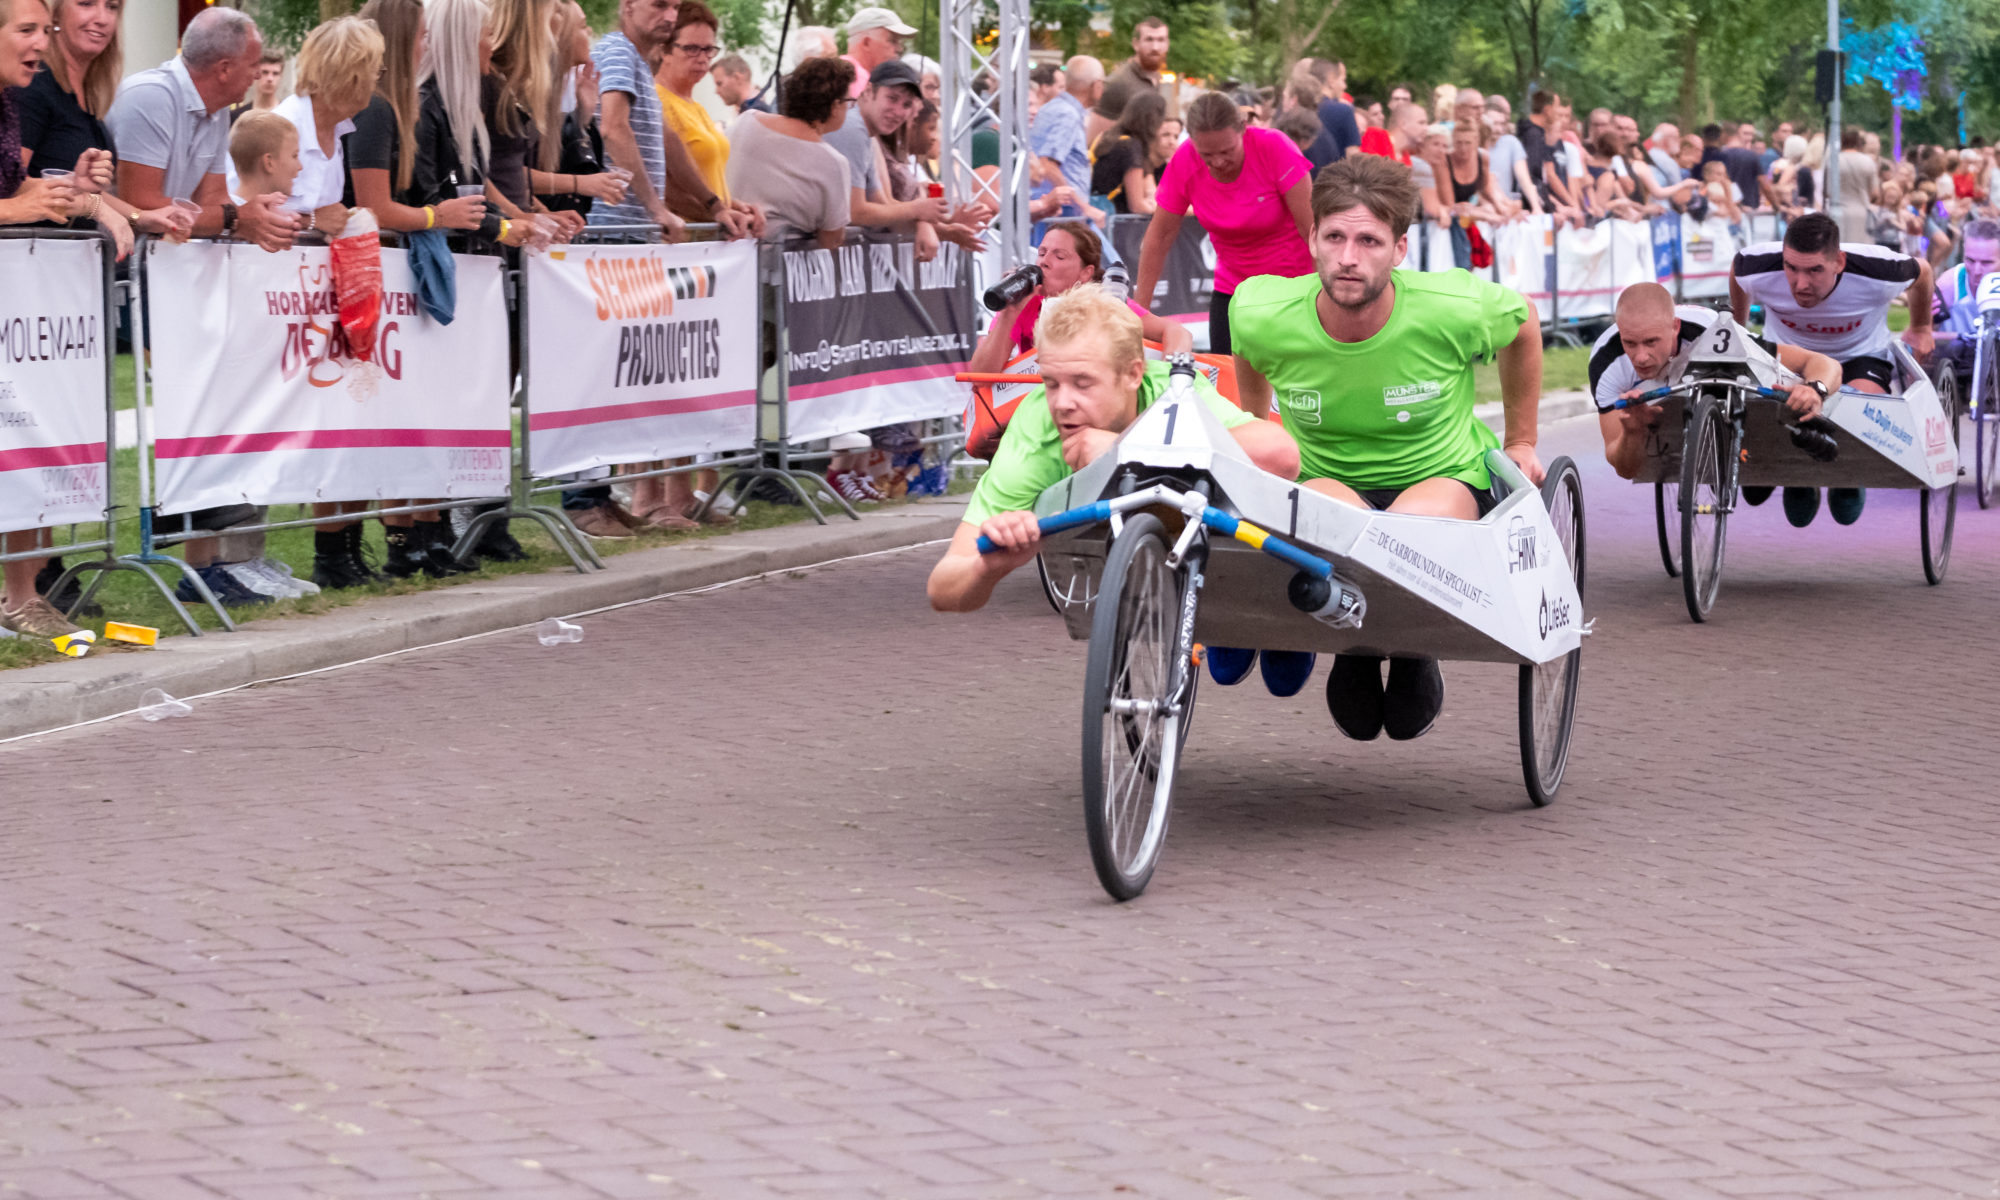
x=264 y=148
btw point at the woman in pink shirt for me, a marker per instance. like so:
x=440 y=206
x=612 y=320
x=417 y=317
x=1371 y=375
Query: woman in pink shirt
x=1252 y=191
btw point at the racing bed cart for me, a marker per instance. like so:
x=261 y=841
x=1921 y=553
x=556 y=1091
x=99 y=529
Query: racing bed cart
x=1174 y=537
x=1982 y=409
x=1724 y=426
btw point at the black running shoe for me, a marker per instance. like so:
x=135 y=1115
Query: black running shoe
x=1354 y=695
x=1414 y=698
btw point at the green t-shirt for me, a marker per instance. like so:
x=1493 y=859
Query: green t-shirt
x=1030 y=458
x=1396 y=409
x=985 y=147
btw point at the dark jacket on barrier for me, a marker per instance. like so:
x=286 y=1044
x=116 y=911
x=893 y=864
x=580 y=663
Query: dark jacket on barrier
x=582 y=154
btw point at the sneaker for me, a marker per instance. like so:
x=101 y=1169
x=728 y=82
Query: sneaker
x=1354 y=695
x=36 y=619
x=1753 y=496
x=1414 y=698
x=281 y=574
x=251 y=580
x=1228 y=666
x=1801 y=506
x=228 y=592
x=1287 y=671
x=711 y=517
x=599 y=522
x=855 y=486
x=725 y=505
x=1844 y=504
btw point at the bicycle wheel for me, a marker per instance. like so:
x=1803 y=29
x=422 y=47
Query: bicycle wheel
x=1136 y=692
x=1667 y=499
x=1985 y=414
x=1937 y=510
x=1548 y=691
x=1704 y=515
x=1048 y=585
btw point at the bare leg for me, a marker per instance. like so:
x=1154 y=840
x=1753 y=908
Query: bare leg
x=1439 y=497
x=20 y=576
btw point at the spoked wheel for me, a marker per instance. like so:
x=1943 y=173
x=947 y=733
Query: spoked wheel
x=1666 y=509
x=1938 y=511
x=1137 y=690
x=1548 y=691
x=1706 y=475
x=1048 y=585
x=1985 y=419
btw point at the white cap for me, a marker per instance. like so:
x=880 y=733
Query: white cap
x=878 y=18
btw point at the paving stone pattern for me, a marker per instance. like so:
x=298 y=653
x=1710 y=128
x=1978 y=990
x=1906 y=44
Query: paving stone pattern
x=782 y=890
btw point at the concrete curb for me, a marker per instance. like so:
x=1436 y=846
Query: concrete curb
x=37 y=699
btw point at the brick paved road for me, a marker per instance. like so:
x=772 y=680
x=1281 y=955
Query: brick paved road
x=423 y=928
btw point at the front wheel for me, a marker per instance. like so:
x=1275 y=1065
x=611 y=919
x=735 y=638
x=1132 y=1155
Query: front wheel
x=1984 y=411
x=1706 y=478
x=1548 y=691
x=1938 y=511
x=1137 y=690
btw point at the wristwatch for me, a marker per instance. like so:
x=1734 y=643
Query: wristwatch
x=1819 y=387
x=228 y=217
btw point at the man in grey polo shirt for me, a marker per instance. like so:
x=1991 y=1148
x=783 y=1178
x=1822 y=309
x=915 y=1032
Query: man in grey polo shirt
x=170 y=125
x=893 y=96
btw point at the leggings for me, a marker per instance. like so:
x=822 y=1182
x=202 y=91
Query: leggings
x=1218 y=322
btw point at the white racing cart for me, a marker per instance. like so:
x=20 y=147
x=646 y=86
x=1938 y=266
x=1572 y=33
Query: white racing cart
x=1982 y=410
x=1726 y=406
x=1174 y=537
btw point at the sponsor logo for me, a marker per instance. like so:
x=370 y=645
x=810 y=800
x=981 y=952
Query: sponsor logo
x=478 y=464
x=1302 y=406
x=667 y=352
x=827 y=355
x=316 y=343
x=1821 y=328
x=1521 y=546
x=1553 y=616
x=1891 y=430
x=1412 y=393
x=66 y=487
x=633 y=288
x=1936 y=439
x=48 y=338
x=1441 y=580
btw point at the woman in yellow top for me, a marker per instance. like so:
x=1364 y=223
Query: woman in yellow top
x=689 y=50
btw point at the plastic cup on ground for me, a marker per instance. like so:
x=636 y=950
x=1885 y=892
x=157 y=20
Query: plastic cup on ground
x=157 y=705
x=556 y=632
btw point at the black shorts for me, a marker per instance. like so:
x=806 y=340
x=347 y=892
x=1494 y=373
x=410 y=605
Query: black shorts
x=1879 y=371
x=1218 y=322
x=1381 y=498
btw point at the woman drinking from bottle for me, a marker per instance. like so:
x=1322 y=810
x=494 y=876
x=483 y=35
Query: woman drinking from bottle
x=1070 y=254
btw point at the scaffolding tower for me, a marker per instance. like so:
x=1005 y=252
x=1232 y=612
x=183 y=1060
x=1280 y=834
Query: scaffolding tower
x=964 y=25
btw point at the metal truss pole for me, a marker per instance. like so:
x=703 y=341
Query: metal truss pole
x=965 y=24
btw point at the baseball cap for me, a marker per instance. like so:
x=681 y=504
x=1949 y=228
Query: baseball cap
x=878 y=18
x=893 y=73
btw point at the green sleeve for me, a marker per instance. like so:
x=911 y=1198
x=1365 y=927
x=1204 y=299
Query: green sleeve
x=1028 y=461
x=1502 y=311
x=1230 y=415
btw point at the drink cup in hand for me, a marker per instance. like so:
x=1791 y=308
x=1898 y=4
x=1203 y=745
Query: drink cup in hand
x=185 y=214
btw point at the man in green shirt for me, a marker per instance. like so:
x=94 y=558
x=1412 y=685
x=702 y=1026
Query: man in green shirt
x=1372 y=367
x=1096 y=382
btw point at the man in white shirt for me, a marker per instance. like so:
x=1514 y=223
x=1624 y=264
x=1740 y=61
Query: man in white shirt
x=1834 y=298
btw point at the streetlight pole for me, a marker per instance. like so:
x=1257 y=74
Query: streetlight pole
x=1831 y=162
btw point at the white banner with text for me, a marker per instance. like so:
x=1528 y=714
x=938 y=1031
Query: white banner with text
x=640 y=353
x=258 y=397
x=52 y=418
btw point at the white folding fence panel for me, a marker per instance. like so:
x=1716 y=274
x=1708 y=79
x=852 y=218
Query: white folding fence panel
x=258 y=398
x=640 y=353
x=52 y=402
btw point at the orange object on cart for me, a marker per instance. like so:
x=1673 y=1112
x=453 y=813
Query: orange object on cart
x=995 y=396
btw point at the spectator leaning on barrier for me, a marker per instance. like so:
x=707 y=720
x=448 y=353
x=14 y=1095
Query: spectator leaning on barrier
x=804 y=192
x=735 y=86
x=171 y=129
x=61 y=114
x=568 y=176
x=518 y=100
x=263 y=86
x=1252 y=191
x=452 y=143
x=684 y=60
x=874 y=36
x=887 y=104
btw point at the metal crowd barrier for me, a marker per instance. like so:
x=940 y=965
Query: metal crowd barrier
x=112 y=296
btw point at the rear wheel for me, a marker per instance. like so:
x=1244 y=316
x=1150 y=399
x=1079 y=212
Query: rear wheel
x=1705 y=476
x=1666 y=519
x=1939 y=506
x=1548 y=691
x=1137 y=690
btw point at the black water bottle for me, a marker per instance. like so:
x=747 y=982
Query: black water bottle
x=1013 y=289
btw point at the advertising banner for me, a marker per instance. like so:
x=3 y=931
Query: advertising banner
x=640 y=353
x=1188 y=279
x=52 y=348
x=874 y=336
x=258 y=398
x=1707 y=249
